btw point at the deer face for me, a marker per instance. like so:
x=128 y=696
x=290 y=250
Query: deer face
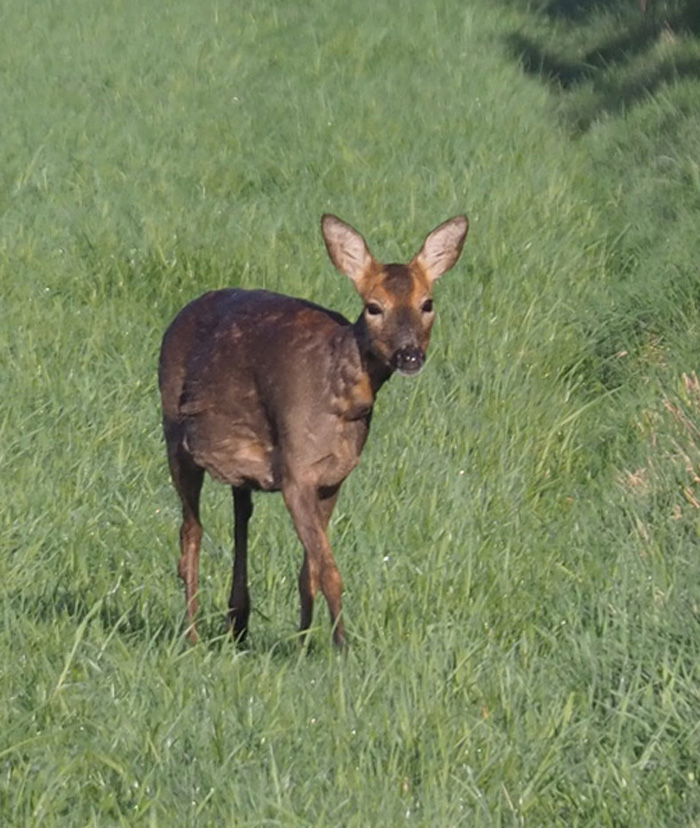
x=398 y=305
x=399 y=316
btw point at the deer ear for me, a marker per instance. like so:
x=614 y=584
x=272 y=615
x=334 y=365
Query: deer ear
x=346 y=247
x=442 y=247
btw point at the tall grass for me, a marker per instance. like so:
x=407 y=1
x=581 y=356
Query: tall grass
x=519 y=545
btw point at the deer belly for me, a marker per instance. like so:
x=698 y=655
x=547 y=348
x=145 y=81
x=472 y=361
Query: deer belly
x=330 y=469
x=235 y=455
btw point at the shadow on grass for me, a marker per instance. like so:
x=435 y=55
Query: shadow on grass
x=141 y=623
x=130 y=621
x=536 y=60
x=579 y=11
x=613 y=99
x=611 y=95
x=574 y=9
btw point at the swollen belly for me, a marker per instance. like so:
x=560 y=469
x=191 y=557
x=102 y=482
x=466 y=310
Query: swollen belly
x=330 y=469
x=236 y=457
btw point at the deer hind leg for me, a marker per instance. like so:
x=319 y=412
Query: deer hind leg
x=239 y=601
x=311 y=511
x=188 y=479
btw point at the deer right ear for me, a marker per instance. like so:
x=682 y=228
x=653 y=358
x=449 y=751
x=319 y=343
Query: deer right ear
x=346 y=247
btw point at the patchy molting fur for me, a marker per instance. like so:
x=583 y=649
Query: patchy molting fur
x=268 y=392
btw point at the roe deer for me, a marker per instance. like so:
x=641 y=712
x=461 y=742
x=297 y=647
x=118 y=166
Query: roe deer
x=271 y=393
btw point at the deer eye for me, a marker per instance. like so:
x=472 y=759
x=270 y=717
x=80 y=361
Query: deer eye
x=373 y=309
x=427 y=306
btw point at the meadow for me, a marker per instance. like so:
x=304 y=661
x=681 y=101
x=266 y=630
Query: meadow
x=520 y=545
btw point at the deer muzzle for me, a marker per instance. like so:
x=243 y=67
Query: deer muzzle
x=408 y=361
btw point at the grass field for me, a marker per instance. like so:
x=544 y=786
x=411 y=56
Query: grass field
x=520 y=545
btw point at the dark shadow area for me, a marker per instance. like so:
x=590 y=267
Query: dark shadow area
x=578 y=11
x=634 y=41
x=613 y=99
x=137 y=622
x=536 y=60
x=129 y=622
x=573 y=9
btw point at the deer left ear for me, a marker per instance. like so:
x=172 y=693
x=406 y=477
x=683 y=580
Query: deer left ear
x=442 y=247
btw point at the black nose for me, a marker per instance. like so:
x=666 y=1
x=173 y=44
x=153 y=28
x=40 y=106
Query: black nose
x=408 y=360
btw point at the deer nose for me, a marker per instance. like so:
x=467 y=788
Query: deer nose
x=408 y=361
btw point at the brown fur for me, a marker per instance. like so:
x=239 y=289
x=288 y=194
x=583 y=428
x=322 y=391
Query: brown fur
x=271 y=393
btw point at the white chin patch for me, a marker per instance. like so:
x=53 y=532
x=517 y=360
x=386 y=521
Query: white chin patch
x=412 y=373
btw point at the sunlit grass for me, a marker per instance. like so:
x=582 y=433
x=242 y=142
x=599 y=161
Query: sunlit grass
x=519 y=545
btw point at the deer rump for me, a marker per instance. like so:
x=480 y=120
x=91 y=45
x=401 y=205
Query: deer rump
x=252 y=390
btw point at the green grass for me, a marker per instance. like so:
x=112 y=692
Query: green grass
x=520 y=543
